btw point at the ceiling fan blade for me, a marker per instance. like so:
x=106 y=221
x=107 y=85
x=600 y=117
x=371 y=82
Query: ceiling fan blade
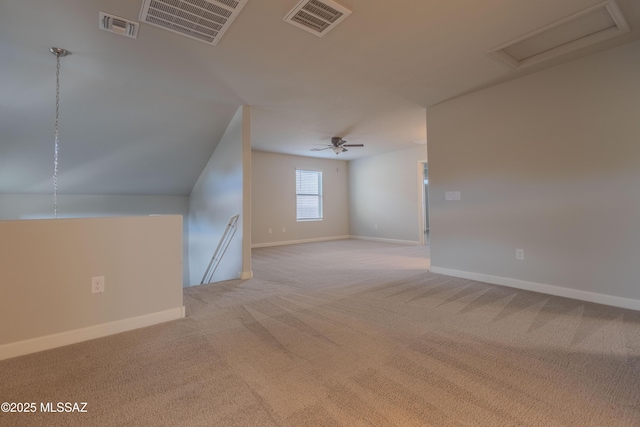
x=320 y=149
x=353 y=145
x=344 y=150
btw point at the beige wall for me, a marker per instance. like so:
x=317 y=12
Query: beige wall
x=46 y=268
x=40 y=206
x=549 y=163
x=384 y=191
x=273 y=199
x=217 y=196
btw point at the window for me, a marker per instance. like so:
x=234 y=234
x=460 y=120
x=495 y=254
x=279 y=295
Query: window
x=308 y=195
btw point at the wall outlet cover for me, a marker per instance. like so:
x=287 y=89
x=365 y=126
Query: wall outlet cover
x=97 y=285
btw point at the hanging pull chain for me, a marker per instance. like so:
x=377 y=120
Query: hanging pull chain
x=58 y=52
x=56 y=148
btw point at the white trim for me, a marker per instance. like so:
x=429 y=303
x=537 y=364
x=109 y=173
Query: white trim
x=295 y=242
x=48 y=342
x=560 y=291
x=380 y=239
x=246 y=275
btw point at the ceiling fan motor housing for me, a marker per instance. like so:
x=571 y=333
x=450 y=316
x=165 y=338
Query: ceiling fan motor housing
x=337 y=141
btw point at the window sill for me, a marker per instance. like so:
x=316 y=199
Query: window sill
x=309 y=220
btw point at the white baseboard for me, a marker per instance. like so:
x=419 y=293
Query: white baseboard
x=295 y=242
x=246 y=275
x=48 y=342
x=380 y=239
x=560 y=291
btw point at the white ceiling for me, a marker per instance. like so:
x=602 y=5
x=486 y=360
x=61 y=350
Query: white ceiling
x=143 y=116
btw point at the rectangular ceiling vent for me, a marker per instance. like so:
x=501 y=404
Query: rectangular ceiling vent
x=317 y=16
x=204 y=20
x=591 y=26
x=118 y=25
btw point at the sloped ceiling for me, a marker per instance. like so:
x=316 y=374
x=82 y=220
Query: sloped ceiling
x=143 y=116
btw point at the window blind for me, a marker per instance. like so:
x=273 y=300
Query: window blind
x=308 y=194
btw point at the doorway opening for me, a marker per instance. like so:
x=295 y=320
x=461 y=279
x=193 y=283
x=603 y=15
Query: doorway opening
x=425 y=200
x=423 y=194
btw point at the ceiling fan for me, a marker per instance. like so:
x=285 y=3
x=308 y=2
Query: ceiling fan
x=337 y=145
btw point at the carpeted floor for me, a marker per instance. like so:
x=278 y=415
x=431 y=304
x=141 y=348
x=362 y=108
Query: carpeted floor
x=348 y=333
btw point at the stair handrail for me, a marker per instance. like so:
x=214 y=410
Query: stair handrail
x=229 y=232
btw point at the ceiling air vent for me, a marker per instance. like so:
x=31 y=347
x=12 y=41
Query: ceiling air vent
x=118 y=25
x=317 y=16
x=591 y=26
x=204 y=20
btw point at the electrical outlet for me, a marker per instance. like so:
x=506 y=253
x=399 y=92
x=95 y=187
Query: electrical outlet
x=284 y=229
x=520 y=254
x=270 y=230
x=97 y=285
x=375 y=226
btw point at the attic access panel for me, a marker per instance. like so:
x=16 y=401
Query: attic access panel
x=591 y=26
x=203 y=20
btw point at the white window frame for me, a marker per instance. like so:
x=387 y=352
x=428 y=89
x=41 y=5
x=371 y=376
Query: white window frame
x=318 y=195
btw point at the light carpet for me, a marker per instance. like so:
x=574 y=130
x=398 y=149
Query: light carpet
x=348 y=333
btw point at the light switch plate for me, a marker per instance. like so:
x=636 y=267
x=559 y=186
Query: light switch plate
x=452 y=195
